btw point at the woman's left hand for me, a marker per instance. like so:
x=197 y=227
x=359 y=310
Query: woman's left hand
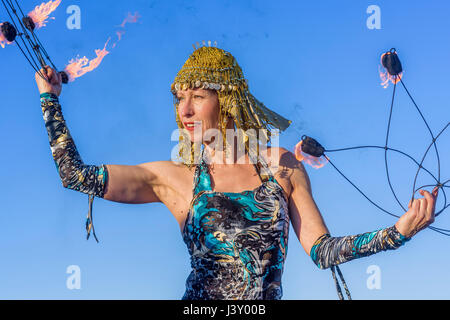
x=420 y=214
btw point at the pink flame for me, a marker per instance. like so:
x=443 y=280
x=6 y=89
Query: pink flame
x=130 y=19
x=314 y=162
x=41 y=13
x=119 y=34
x=79 y=66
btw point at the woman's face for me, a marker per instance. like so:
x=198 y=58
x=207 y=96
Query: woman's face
x=198 y=109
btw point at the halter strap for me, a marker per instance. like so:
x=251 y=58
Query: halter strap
x=202 y=179
x=261 y=166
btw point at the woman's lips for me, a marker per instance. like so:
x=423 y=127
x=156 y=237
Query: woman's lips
x=190 y=126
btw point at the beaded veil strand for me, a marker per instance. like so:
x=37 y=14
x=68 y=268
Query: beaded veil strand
x=209 y=67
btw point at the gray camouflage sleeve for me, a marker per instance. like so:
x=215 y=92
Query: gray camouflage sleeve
x=330 y=251
x=74 y=174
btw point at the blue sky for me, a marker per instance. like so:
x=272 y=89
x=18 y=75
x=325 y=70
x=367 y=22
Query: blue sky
x=314 y=62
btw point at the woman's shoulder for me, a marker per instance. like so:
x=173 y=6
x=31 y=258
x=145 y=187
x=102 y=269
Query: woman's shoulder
x=281 y=157
x=285 y=166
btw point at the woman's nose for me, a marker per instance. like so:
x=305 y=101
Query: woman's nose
x=186 y=108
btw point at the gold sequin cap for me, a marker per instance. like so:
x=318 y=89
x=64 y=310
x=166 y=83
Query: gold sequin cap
x=209 y=67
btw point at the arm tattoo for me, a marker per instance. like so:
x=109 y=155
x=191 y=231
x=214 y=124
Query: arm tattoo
x=73 y=172
x=330 y=251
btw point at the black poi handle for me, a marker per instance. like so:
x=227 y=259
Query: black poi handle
x=392 y=63
x=312 y=147
x=64 y=77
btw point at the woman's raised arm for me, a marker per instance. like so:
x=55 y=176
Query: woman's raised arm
x=327 y=251
x=120 y=183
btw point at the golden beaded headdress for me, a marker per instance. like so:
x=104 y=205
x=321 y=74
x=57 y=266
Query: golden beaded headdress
x=209 y=67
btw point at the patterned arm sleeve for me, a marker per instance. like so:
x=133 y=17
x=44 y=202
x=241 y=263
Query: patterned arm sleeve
x=330 y=251
x=74 y=173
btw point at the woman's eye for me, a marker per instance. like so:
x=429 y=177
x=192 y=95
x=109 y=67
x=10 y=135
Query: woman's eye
x=198 y=96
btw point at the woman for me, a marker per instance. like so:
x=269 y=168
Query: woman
x=237 y=239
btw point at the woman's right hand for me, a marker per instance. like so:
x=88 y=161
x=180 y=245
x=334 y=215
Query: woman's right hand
x=420 y=214
x=53 y=83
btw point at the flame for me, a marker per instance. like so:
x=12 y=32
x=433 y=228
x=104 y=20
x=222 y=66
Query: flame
x=386 y=77
x=3 y=40
x=119 y=34
x=130 y=19
x=41 y=13
x=314 y=162
x=79 y=66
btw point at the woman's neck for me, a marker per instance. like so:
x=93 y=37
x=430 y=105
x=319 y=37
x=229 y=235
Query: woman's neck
x=232 y=155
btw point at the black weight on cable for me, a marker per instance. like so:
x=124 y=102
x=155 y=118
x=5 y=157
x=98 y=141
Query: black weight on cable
x=22 y=28
x=393 y=66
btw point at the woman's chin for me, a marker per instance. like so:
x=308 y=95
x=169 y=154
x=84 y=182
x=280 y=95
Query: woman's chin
x=194 y=138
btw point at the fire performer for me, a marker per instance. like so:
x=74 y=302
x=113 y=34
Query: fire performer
x=234 y=217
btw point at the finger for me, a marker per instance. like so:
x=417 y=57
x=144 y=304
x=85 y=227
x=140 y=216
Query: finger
x=414 y=212
x=41 y=74
x=417 y=213
x=409 y=204
x=426 y=214
x=421 y=206
x=416 y=204
x=52 y=76
x=45 y=72
x=421 y=212
x=429 y=202
x=50 y=73
x=427 y=210
x=435 y=191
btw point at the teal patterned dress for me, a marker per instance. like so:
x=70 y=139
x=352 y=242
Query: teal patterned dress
x=237 y=241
